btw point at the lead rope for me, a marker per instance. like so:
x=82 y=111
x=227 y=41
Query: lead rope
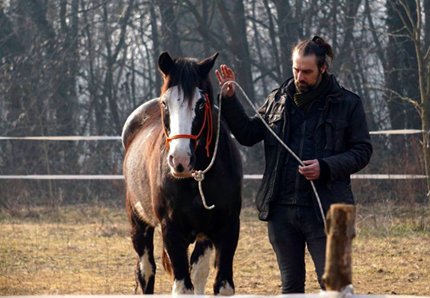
x=274 y=134
x=199 y=176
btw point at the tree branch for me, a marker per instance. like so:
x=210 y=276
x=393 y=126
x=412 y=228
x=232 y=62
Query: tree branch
x=401 y=17
x=404 y=98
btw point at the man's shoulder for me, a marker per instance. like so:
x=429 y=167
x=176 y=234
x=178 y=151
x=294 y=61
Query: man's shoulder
x=281 y=88
x=272 y=95
x=348 y=93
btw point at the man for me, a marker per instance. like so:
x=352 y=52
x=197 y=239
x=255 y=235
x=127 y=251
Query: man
x=325 y=125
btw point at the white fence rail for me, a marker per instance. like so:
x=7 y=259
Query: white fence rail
x=121 y=177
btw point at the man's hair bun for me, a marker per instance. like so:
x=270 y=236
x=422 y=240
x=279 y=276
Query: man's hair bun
x=316 y=46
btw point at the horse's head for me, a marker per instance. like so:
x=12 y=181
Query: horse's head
x=186 y=105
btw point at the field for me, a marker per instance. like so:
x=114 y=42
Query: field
x=87 y=250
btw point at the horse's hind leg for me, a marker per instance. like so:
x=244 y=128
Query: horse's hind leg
x=200 y=265
x=225 y=248
x=142 y=236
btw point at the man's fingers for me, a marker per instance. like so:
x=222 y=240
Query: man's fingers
x=227 y=72
x=224 y=70
x=308 y=168
x=309 y=162
x=218 y=75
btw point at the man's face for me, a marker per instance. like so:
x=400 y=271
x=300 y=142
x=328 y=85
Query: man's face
x=307 y=76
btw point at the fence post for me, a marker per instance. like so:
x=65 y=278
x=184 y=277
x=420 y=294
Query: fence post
x=340 y=232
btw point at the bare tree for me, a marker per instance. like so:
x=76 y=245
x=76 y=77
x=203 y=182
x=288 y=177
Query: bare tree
x=412 y=20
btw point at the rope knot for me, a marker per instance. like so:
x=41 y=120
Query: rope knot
x=198 y=176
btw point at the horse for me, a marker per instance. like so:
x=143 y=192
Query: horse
x=166 y=140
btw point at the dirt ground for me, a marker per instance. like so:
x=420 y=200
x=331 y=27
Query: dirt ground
x=87 y=250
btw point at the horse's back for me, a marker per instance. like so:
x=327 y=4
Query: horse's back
x=138 y=119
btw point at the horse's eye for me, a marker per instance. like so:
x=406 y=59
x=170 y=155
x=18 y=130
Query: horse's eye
x=201 y=106
x=164 y=105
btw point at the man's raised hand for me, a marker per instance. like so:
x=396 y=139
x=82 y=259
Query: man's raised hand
x=226 y=75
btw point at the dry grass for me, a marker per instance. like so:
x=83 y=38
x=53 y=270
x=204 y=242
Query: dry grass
x=86 y=250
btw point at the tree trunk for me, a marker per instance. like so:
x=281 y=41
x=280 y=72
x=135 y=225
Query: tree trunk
x=156 y=49
x=402 y=76
x=274 y=46
x=287 y=35
x=259 y=52
x=170 y=38
x=239 y=45
x=426 y=25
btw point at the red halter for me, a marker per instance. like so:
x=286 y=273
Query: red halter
x=207 y=118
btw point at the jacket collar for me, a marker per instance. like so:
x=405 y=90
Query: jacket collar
x=334 y=96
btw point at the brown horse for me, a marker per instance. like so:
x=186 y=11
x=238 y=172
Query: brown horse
x=165 y=140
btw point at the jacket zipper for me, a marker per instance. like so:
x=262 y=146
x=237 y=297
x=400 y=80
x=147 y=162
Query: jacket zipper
x=302 y=141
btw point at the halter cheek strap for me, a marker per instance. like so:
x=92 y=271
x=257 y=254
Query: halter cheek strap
x=207 y=119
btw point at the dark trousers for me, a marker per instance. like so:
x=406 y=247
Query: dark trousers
x=291 y=228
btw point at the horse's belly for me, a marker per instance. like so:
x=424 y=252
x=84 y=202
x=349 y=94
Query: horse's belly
x=144 y=212
x=138 y=180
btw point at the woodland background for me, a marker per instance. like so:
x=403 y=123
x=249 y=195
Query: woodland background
x=80 y=67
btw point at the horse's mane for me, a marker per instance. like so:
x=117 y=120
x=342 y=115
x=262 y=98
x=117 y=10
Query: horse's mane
x=186 y=75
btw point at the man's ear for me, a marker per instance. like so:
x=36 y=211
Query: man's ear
x=323 y=68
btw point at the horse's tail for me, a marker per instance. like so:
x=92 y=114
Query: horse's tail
x=166 y=262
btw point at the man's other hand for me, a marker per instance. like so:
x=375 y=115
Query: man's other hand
x=312 y=169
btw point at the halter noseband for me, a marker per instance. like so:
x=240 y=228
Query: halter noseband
x=207 y=118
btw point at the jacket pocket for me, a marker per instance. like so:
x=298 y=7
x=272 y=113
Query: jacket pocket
x=335 y=135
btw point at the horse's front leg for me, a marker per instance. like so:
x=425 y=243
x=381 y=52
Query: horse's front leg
x=225 y=248
x=175 y=259
x=200 y=264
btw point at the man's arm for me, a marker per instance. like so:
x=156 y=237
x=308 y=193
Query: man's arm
x=247 y=130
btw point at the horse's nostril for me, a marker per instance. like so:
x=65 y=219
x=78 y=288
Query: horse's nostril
x=180 y=168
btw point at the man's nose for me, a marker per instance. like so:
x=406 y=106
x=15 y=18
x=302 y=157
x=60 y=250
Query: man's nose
x=299 y=76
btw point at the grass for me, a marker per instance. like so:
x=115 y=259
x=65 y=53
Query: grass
x=87 y=250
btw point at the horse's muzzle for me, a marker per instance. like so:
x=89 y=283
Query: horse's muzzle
x=180 y=166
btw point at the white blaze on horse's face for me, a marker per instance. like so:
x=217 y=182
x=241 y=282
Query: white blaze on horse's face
x=181 y=115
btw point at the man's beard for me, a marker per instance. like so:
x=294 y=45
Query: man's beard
x=305 y=87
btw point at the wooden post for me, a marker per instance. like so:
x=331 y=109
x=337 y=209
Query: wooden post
x=340 y=232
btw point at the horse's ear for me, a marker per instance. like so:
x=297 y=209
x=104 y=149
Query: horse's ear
x=206 y=65
x=165 y=63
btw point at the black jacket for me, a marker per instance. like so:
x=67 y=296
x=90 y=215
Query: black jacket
x=341 y=140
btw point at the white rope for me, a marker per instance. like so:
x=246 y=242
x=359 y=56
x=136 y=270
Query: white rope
x=199 y=175
x=280 y=141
